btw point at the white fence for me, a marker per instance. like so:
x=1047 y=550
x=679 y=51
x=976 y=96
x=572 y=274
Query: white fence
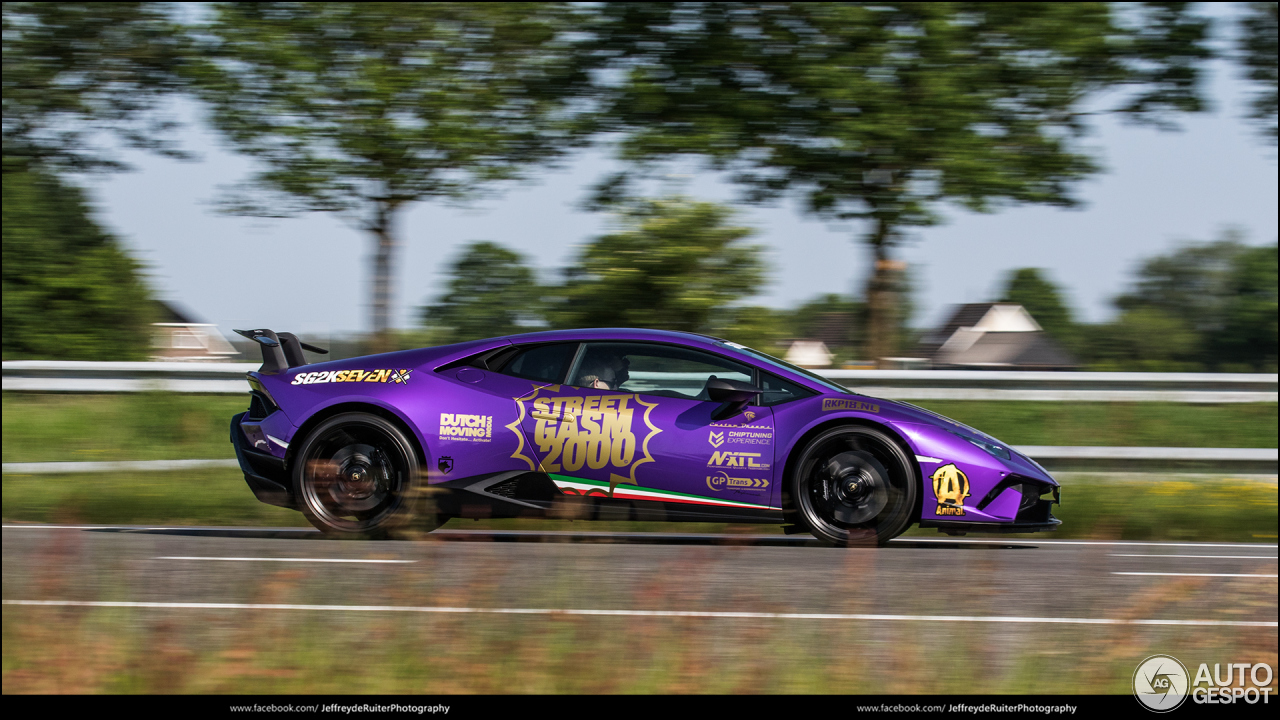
x=228 y=378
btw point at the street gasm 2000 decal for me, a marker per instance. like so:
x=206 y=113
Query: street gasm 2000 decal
x=595 y=431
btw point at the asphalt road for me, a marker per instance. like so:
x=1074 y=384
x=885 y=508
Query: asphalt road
x=913 y=580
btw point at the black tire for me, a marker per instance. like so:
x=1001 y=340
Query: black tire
x=357 y=476
x=854 y=485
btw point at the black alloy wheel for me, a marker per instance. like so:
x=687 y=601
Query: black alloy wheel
x=854 y=485
x=357 y=476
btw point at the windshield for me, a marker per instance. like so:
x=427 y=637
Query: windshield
x=784 y=365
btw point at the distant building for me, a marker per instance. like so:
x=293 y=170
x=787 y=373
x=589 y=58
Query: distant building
x=993 y=335
x=809 y=354
x=181 y=338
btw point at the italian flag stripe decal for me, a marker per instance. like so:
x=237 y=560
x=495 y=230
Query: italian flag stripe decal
x=631 y=492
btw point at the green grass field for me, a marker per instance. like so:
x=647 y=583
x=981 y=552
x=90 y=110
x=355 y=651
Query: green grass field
x=164 y=426
x=50 y=650
x=1133 y=507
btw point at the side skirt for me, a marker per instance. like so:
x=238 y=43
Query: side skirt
x=529 y=494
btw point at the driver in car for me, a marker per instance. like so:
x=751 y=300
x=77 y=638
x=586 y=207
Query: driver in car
x=603 y=372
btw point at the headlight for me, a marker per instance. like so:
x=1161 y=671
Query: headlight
x=991 y=448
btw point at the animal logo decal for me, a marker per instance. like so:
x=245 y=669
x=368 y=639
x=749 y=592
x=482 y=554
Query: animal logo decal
x=950 y=487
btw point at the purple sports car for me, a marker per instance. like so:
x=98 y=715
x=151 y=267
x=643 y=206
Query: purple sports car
x=614 y=424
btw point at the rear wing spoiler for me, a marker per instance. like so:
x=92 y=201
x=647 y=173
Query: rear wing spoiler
x=279 y=351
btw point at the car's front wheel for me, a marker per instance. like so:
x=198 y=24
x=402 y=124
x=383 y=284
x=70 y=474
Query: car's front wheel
x=357 y=476
x=854 y=485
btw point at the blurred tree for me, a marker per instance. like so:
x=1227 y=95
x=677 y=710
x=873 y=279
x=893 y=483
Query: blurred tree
x=878 y=111
x=1193 y=283
x=674 y=265
x=1248 y=337
x=73 y=69
x=1205 y=306
x=1029 y=288
x=70 y=291
x=762 y=328
x=491 y=293
x=833 y=319
x=365 y=108
x=1258 y=49
x=1146 y=339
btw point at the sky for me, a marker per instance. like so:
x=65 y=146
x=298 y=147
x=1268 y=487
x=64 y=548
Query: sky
x=311 y=274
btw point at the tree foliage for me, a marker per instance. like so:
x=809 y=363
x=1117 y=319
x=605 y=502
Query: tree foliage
x=1208 y=306
x=73 y=69
x=1258 y=50
x=674 y=264
x=364 y=108
x=1249 y=329
x=491 y=293
x=879 y=111
x=70 y=291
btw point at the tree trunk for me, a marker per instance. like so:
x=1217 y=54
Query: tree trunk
x=882 y=297
x=383 y=280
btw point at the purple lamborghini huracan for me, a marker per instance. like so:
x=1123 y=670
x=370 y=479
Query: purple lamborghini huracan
x=614 y=424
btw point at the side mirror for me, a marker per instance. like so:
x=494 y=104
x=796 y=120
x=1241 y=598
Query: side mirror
x=735 y=396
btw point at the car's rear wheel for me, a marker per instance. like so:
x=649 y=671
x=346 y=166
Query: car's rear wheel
x=357 y=476
x=854 y=485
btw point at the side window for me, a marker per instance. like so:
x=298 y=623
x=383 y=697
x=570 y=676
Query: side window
x=653 y=369
x=778 y=391
x=545 y=363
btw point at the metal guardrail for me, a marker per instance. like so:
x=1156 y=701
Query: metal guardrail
x=1060 y=386
x=1059 y=458
x=228 y=378
x=125 y=377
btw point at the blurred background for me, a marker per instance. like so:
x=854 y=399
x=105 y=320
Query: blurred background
x=853 y=187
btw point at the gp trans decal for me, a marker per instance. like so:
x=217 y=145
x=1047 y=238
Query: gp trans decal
x=399 y=377
x=596 y=488
x=727 y=458
x=472 y=428
x=595 y=431
x=722 y=480
x=843 y=404
x=950 y=487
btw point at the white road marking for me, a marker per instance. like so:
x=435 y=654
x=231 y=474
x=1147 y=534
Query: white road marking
x=640 y=613
x=979 y=541
x=1215 y=557
x=253 y=559
x=1171 y=574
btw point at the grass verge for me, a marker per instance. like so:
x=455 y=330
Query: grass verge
x=170 y=426
x=129 y=651
x=1113 y=507
x=130 y=426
